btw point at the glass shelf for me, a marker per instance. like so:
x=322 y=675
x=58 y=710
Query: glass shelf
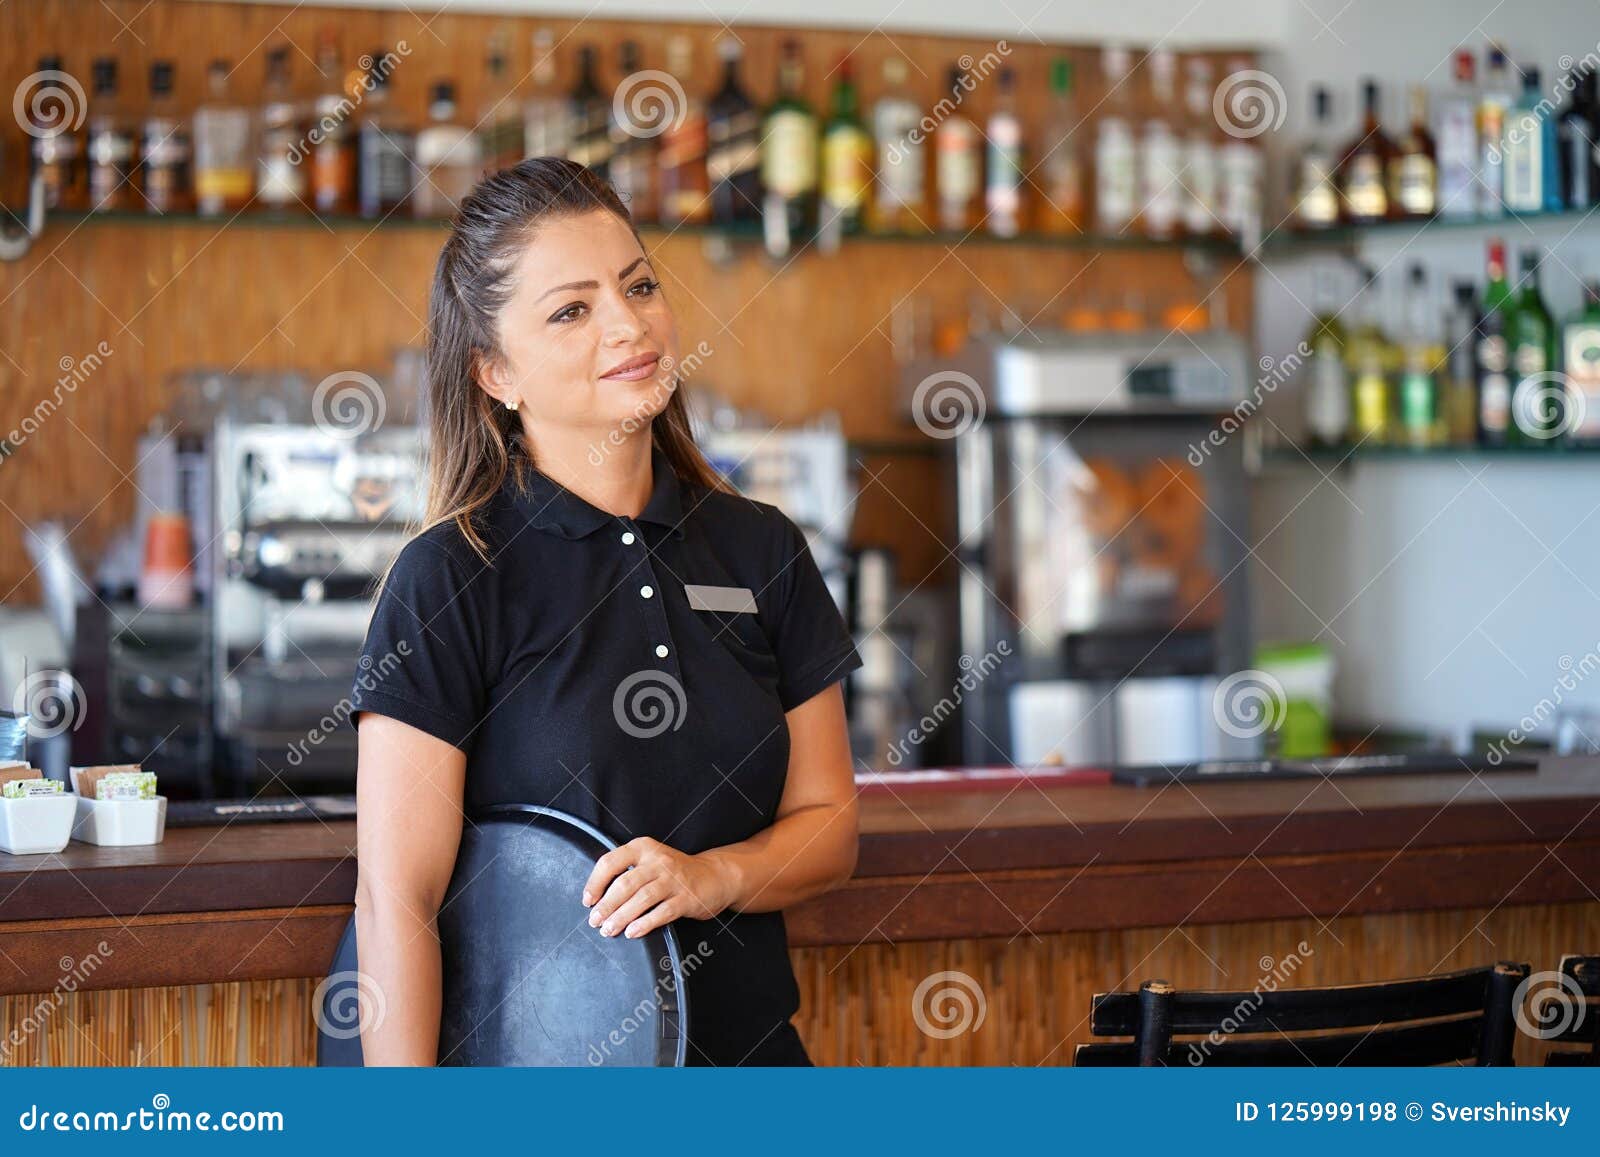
x=1338 y=455
x=1346 y=236
x=749 y=232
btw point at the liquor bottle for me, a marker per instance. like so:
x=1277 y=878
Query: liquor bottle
x=1201 y=160
x=1327 y=376
x=448 y=161
x=332 y=164
x=733 y=133
x=900 y=202
x=1459 y=154
x=546 y=116
x=1493 y=354
x=1532 y=159
x=1371 y=359
x=958 y=161
x=1241 y=167
x=1004 y=168
x=1580 y=343
x=788 y=157
x=384 y=147
x=1160 y=154
x=633 y=142
x=590 y=115
x=1413 y=170
x=280 y=140
x=164 y=150
x=1494 y=106
x=224 y=156
x=1420 y=354
x=1580 y=143
x=111 y=143
x=1460 y=386
x=1363 y=194
x=1537 y=415
x=56 y=145
x=1316 y=203
x=1061 y=201
x=681 y=162
x=1116 y=186
x=846 y=158
x=501 y=133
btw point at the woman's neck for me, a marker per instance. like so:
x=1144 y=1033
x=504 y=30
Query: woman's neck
x=614 y=476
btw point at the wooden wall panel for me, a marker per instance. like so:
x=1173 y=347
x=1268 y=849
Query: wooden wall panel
x=167 y=296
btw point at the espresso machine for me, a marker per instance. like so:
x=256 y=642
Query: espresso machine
x=1102 y=523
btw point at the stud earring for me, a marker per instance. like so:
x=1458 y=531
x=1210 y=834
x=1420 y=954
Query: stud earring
x=512 y=404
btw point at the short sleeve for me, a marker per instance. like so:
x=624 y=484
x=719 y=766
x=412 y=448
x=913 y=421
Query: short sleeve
x=423 y=659
x=813 y=645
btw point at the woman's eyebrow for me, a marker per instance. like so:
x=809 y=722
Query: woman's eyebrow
x=637 y=261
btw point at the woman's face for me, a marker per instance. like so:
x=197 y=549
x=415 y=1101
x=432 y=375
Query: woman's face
x=587 y=337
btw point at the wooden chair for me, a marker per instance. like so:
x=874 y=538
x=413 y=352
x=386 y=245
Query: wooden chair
x=1585 y=1028
x=1428 y=1020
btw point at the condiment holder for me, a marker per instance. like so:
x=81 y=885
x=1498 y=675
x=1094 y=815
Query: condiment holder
x=36 y=824
x=120 y=823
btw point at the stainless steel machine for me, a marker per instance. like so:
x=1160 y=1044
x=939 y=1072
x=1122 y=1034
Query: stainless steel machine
x=1102 y=526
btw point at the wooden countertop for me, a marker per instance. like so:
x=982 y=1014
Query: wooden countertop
x=935 y=863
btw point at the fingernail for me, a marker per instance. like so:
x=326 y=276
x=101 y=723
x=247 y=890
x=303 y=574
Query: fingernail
x=632 y=933
x=587 y=899
x=594 y=918
x=609 y=930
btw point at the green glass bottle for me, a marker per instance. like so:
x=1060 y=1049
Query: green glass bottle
x=789 y=158
x=846 y=156
x=1492 y=354
x=1421 y=424
x=1537 y=414
x=1580 y=349
x=1371 y=361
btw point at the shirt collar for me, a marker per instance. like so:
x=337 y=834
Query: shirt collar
x=551 y=506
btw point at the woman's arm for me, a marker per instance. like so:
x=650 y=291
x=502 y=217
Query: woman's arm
x=408 y=830
x=808 y=850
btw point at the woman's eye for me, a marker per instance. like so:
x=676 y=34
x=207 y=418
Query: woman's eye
x=648 y=287
x=568 y=314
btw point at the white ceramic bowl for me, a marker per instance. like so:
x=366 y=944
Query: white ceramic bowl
x=120 y=822
x=36 y=824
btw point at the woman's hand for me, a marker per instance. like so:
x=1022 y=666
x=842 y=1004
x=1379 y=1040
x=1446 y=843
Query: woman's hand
x=651 y=885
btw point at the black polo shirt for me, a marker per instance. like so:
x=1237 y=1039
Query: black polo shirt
x=579 y=672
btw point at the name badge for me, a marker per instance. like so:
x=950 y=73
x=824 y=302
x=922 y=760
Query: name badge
x=728 y=600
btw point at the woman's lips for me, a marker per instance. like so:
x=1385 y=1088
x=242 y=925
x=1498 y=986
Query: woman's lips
x=634 y=369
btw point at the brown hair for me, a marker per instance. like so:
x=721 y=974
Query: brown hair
x=474 y=441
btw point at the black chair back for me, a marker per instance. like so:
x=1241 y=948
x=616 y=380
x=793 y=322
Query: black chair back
x=1570 y=1014
x=1428 y=1020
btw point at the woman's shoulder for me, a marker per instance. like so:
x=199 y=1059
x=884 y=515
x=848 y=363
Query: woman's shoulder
x=745 y=522
x=443 y=549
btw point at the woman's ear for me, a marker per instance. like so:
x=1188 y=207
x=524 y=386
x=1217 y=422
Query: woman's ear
x=494 y=378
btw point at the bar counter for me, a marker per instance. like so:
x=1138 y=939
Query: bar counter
x=995 y=909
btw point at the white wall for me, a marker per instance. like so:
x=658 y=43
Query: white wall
x=1453 y=597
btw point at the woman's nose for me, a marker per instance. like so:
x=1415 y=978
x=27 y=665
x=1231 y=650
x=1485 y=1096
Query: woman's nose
x=624 y=324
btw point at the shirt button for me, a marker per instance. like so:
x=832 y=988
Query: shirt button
x=646 y=591
x=627 y=538
x=661 y=650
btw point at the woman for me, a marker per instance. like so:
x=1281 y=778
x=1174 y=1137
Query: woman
x=546 y=637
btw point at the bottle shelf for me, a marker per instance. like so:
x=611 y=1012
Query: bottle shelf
x=1342 y=455
x=1286 y=239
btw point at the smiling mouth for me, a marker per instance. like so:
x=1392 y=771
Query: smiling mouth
x=634 y=369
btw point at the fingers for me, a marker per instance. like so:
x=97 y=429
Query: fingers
x=660 y=916
x=609 y=865
x=643 y=900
